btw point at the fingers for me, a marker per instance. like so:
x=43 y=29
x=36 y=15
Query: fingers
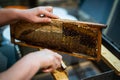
x=33 y=15
x=47 y=14
x=54 y=61
x=45 y=20
x=53 y=67
x=47 y=11
x=48 y=70
x=48 y=8
x=58 y=59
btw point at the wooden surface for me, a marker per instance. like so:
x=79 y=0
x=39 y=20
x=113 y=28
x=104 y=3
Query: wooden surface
x=60 y=74
x=111 y=59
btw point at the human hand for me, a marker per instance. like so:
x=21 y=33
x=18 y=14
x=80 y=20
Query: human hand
x=27 y=66
x=47 y=60
x=33 y=15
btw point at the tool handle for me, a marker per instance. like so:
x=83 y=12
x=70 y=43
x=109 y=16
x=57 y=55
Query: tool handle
x=63 y=65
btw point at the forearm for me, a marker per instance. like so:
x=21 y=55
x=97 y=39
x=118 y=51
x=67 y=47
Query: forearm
x=22 y=70
x=26 y=68
x=8 y=15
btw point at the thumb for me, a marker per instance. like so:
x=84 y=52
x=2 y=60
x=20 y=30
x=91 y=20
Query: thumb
x=48 y=70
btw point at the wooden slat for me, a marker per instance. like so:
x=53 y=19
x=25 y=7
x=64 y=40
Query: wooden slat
x=110 y=59
x=60 y=74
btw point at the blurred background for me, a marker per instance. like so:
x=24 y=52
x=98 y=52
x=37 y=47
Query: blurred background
x=98 y=11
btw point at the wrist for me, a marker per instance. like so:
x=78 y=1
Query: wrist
x=11 y=13
x=15 y=14
x=7 y=16
x=33 y=60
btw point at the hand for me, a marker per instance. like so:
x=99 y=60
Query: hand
x=33 y=15
x=27 y=66
x=47 y=60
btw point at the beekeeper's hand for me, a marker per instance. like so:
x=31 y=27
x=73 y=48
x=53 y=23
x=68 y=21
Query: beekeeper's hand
x=35 y=15
x=27 y=66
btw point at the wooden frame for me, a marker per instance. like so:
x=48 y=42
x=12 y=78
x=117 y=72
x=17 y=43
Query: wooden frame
x=89 y=35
